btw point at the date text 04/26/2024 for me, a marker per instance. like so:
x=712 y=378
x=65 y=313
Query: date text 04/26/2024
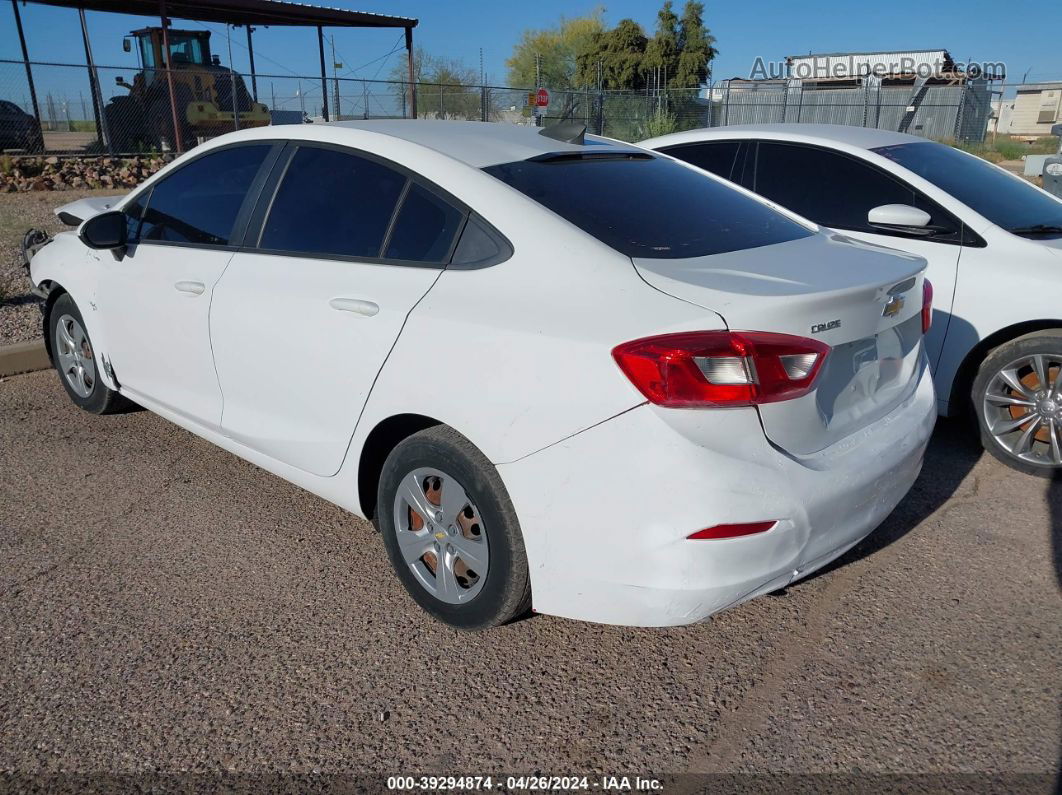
x=524 y=783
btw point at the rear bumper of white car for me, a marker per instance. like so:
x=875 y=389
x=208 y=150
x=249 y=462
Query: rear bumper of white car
x=605 y=514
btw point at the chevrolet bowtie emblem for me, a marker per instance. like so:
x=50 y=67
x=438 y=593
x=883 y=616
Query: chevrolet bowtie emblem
x=892 y=306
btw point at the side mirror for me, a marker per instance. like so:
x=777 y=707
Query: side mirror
x=902 y=218
x=127 y=45
x=104 y=231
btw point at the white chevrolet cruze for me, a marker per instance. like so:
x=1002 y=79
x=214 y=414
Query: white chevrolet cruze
x=992 y=240
x=560 y=373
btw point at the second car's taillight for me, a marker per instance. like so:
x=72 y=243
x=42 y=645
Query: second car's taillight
x=698 y=369
x=927 y=305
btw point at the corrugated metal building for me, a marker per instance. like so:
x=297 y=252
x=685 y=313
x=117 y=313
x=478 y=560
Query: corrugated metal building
x=919 y=92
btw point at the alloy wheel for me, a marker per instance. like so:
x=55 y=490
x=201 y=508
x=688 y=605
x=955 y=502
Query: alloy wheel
x=1023 y=408
x=440 y=535
x=74 y=353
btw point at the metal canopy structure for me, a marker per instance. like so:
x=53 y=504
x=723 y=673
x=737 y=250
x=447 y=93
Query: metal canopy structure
x=249 y=13
x=243 y=12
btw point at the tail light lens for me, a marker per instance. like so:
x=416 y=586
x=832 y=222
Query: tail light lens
x=699 y=369
x=927 y=305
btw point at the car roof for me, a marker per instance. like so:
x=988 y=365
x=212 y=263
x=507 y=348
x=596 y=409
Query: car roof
x=858 y=137
x=477 y=143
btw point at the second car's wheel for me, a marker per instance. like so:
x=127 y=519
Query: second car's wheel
x=1018 y=399
x=76 y=360
x=451 y=532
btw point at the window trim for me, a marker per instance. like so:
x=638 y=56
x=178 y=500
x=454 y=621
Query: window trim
x=963 y=236
x=271 y=186
x=239 y=224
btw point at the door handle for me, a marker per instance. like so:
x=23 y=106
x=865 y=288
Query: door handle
x=191 y=288
x=355 y=305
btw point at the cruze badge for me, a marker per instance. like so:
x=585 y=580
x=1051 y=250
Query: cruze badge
x=818 y=328
x=892 y=306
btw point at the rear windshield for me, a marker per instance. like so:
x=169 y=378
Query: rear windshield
x=645 y=206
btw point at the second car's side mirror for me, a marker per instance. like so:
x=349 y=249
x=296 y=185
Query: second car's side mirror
x=105 y=231
x=901 y=218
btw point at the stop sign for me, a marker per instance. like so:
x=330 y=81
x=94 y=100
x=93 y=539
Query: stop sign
x=542 y=98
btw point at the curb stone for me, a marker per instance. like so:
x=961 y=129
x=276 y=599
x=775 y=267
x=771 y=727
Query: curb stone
x=23 y=357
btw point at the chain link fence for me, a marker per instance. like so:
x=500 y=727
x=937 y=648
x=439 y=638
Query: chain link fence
x=126 y=111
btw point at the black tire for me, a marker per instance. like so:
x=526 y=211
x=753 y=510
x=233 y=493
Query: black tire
x=100 y=399
x=505 y=593
x=126 y=123
x=1046 y=400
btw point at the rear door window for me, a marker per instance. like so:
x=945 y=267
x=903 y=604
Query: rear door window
x=719 y=157
x=332 y=203
x=647 y=206
x=425 y=228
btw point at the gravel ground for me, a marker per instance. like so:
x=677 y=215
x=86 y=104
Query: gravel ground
x=168 y=607
x=20 y=318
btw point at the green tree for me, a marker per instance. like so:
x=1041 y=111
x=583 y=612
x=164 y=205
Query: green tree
x=662 y=52
x=621 y=52
x=557 y=52
x=696 y=48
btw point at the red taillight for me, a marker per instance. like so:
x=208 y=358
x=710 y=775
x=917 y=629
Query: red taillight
x=721 y=368
x=732 y=530
x=927 y=305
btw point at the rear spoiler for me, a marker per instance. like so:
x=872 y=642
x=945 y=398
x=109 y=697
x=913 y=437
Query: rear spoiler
x=74 y=213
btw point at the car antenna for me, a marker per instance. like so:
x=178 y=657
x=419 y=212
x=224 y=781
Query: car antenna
x=570 y=132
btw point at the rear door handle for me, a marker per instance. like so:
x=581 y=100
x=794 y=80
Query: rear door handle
x=191 y=288
x=356 y=305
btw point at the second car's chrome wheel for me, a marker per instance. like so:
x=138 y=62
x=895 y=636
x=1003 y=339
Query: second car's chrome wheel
x=1023 y=408
x=75 y=356
x=440 y=535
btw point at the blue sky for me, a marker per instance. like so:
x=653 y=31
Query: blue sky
x=1022 y=34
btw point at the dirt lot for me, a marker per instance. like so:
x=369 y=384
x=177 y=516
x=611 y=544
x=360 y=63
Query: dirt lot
x=168 y=607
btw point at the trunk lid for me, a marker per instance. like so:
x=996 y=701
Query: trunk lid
x=826 y=287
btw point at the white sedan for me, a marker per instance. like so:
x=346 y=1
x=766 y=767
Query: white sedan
x=993 y=242
x=557 y=372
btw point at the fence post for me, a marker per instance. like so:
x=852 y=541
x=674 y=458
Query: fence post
x=324 y=74
x=94 y=88
x=726 y=106
x=29 y=71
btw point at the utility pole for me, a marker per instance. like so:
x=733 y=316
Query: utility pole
x=335 y=76
x=482 y=89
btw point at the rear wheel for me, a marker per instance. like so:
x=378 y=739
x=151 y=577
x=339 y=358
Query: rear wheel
x=451 y=532
x=1018 y=399
x=76 y=360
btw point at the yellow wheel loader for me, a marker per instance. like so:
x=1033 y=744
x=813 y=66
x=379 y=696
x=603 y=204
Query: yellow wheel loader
x=210 y=99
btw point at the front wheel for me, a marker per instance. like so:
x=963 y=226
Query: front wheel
x=76 y=360
x=1018 y=399
x=451 y=532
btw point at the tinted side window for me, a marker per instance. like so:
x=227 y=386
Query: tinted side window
x=425 y=228
x=830 y=188
x=332 y=203
x=199 y=202
x=718 y=157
